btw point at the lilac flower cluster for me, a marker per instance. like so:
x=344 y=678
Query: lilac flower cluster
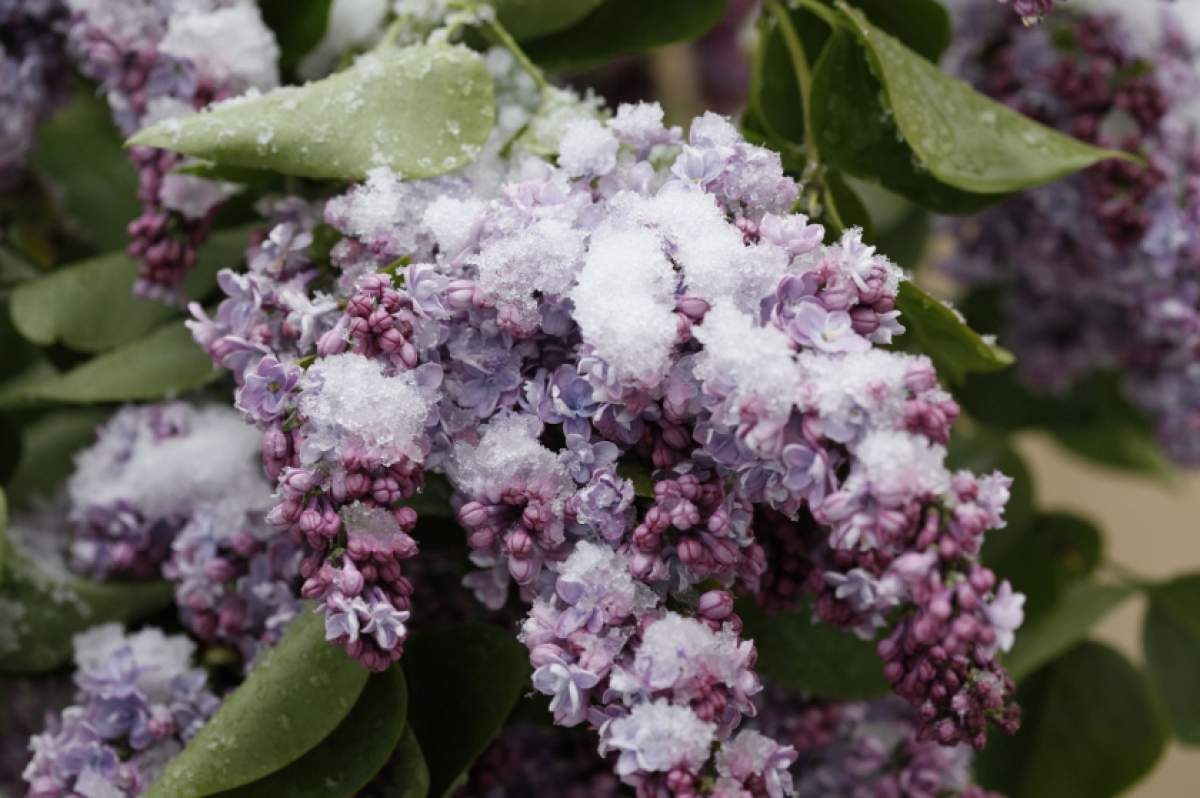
x=1100 y=271
x=865 y=750
x=648 y=305
x=175 y=490
x=138 y=702
x=158 y=60
x=1031 y=11
x=34 y=76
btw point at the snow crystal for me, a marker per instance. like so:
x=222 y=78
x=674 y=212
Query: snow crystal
x=454 y=222
x=898 y=465
x=588 y=148
x=349 y=403
x=543 y=258
x=231 y=45
x=741 y=357
x=625 y=303
x=508 y=454
x=856 y=390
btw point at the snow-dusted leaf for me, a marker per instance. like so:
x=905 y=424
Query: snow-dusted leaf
x=419 y=111
x=295 y=696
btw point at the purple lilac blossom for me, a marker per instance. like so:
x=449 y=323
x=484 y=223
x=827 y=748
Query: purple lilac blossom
x=29 y=703
x=162 y=60
x=864 y=750
x=138 y=701
x=645 y=305
x=1031 y=11
x=34 y=76
x=1101 y=271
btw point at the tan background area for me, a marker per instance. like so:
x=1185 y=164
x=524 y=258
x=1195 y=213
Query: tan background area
x=1152 y=529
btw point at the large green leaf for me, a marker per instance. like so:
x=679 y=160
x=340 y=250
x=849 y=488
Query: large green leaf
x=419 y=111
x=528 y=19
x=352 y=754
x=164 y=363
x=856 y=134
x=963 y=138
x=90 y=306
x=79 y=152
x=464 y=682
x=1043 y=558
x=943 y=334
x=813 y=657
x=298 y=693
x=1089 y=730
x=1171 y=639
x=620 y=27
x=1069 y=622
x=47 y=445
x=41 y=609
x=298 y=27
x=406 y=775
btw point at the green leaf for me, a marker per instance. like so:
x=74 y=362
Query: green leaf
x=1171 y=639
x=419 y=111
x=164 y=363
x=79 y=152
x=1089 y=730
x=90 y=306
x=943 y=334
x=528 y=19
x=813 y=657
x=43 y=609
x=465 y=681
x=3 y=537
x=298 y=27
x=1043 y=558
x=353 y=753
x=922 y=25
x=407 y=775
x=620 y=27
x=856 y=134
x=963 y=138
x=983 y=451
x=48 y=443
x=843 y=209
x=298 y=693
x=1069 y=622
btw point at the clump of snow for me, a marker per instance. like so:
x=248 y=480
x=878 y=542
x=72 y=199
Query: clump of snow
x=543 y=257
x=729 y=336
x=898 y=465
x=588 y=148
x=231 y=45
x=164 y=477
x=508 y=454
x=349 y=404
x=625 y=304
